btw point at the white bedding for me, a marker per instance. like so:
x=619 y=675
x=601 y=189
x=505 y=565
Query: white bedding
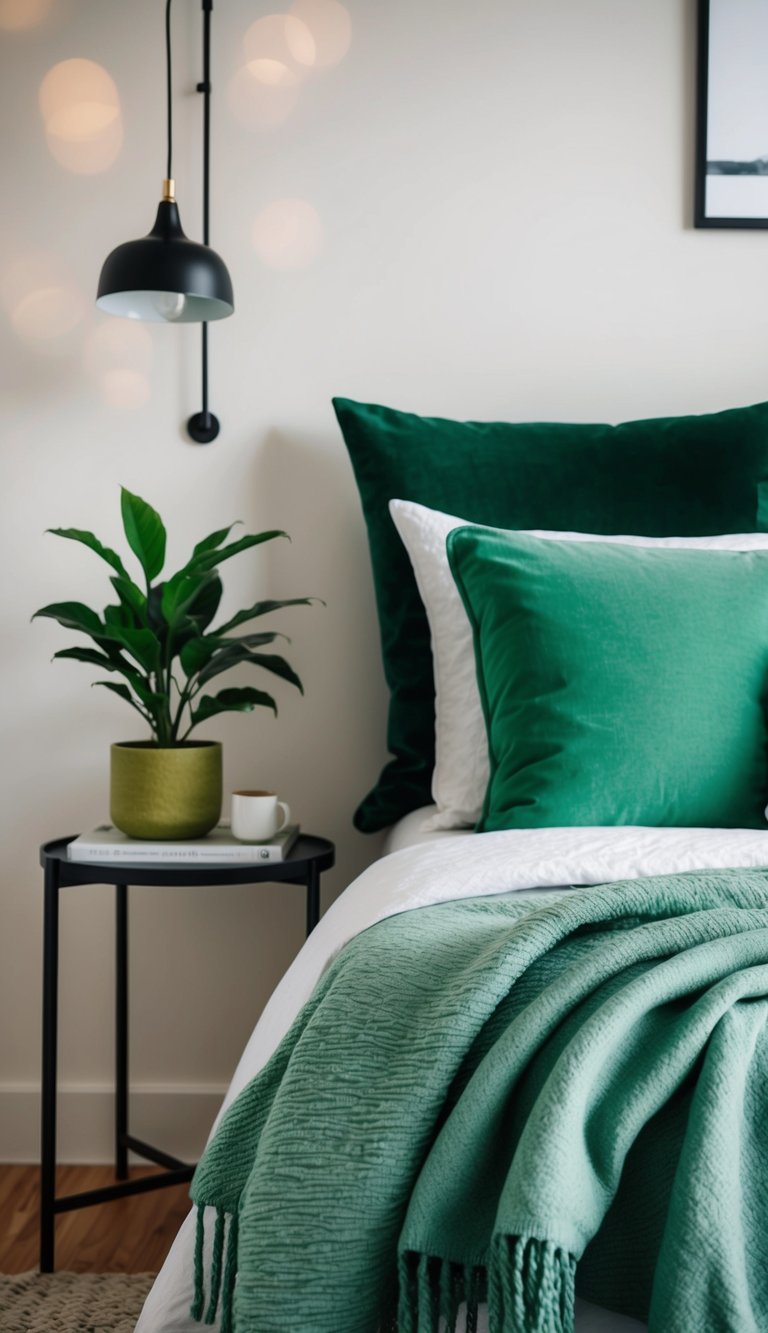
x=415 y=828
x=440 y=868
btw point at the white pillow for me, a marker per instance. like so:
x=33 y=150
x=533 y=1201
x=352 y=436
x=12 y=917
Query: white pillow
x=461 y=769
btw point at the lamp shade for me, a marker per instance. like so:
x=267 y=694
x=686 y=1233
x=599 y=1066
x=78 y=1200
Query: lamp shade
x=165 y=277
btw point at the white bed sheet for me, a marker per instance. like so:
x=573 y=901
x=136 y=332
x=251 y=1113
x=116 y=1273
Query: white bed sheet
x=412 y=829
x=440 y=868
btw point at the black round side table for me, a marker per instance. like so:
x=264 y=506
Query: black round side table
x=305 y=862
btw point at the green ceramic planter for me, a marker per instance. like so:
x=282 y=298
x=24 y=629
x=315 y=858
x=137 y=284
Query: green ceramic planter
x=165 y=792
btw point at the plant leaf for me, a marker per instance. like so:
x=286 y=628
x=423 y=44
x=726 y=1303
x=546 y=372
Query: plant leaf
x=200 y=652
x=88 y=539
x=145 y=533
x=141 y=644
x=73 y=615
x=277 y=665
x=131 y=597
x=152 y=701
x=118 y=615
x=155 y=618
x=224 y=661
x=228 y=657
x=215 y=539
x=189 y=604
x=210 y=559
x=263 y=609
x=184 y=591
x=123 y=692
x=256 y=640
x=229 y=701
x=110 y=646
x=176 y=593
x=219 y=663
x=205 y=605
x=91 y=656
x=196 y=653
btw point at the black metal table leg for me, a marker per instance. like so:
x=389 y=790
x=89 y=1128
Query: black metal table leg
x=308 y=858
x=313 y=897
x=50 y=1030
x=121 y=1031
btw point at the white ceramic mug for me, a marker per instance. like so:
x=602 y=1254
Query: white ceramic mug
x=256 y=815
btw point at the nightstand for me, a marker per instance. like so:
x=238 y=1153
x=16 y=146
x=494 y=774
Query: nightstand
x=306 y=861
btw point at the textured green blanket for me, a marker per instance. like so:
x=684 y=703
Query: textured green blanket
x=479 y=1105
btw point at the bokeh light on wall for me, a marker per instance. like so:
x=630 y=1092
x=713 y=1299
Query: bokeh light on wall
x=279 y=50
x=80 y=107
x=288 y=234
x=282 y=39
x=118 y=356
x=331 y=27
x=15 y=15
x=42 y=301
x=263 y=94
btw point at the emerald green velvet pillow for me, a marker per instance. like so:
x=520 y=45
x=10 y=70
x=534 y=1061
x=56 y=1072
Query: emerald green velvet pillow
x=620 y=685
x=678 y=476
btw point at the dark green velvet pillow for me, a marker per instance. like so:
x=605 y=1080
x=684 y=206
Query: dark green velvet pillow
x=620 y=685
x=673 y=476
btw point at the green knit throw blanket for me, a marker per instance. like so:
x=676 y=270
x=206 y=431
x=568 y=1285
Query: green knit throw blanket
x=475 y=1102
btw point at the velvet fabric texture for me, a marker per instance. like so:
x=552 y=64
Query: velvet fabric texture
x=620 y=685
x=673 y=476
x=461 y=771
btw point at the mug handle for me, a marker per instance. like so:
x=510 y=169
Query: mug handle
x=286 y=809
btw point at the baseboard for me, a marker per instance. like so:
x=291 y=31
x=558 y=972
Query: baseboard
x=174 y=1117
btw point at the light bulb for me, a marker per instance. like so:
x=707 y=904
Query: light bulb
x=170 y=305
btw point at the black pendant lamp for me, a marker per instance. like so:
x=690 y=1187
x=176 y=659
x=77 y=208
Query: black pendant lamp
x=165 y=277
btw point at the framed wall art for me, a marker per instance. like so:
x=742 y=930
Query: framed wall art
x=732 y=114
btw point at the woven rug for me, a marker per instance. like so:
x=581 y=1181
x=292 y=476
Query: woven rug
x=72 y=1302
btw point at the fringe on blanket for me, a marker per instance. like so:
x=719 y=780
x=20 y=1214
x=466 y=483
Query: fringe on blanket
x=529 y=1286
x=223 y=1270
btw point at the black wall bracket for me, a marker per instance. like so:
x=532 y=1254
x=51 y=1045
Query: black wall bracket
x=203 y=427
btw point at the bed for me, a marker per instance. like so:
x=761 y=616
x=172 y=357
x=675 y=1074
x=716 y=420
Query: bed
x=453 y=865
x=642 y=900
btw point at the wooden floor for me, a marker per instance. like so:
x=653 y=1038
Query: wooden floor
x=127 y=1236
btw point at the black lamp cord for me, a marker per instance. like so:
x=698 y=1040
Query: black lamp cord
x=204 y=426
x=168 y=83
x=205 y=89
x=202 y=420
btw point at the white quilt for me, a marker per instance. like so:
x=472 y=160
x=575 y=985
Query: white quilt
x=440 y=870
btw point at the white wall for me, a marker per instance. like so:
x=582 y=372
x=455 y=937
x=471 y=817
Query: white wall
x=504 y=188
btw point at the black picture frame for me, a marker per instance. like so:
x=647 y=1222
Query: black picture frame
x=735 y=193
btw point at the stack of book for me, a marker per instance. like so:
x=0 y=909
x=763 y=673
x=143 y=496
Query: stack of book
x=219 y=847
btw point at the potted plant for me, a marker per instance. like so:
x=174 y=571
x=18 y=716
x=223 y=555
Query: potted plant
x=158 y=639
